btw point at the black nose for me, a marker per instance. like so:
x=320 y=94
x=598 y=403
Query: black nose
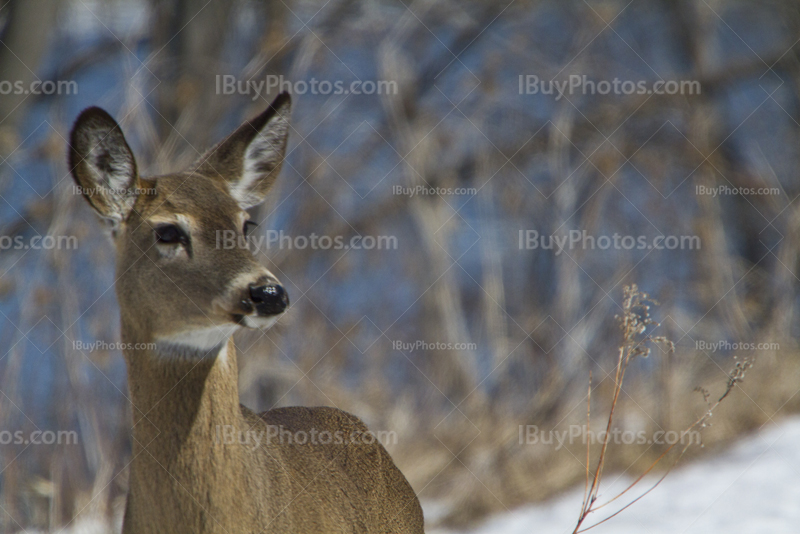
x=270 y=299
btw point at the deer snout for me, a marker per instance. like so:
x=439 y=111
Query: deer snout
x=269 y=299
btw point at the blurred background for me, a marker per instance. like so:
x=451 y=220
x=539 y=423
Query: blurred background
x=447 y=138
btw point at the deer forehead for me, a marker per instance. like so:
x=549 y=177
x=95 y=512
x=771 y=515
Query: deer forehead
x=191 y=201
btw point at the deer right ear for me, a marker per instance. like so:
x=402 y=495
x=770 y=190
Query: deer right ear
x=250 y=158
x=103 y=165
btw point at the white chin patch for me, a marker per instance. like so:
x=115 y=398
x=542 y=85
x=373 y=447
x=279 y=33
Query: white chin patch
x=259 y=322
x=200 y=343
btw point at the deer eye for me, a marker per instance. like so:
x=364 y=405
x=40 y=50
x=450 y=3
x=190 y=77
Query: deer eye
x=248 y=225
x=170 y=234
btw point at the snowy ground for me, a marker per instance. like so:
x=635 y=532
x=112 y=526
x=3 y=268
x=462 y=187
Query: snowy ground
x=753 y=487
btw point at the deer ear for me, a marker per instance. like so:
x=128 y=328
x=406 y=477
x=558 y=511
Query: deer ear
x=103 y=165
x=249 y=159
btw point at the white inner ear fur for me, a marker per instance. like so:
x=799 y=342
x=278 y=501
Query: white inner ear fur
x=264 y=152
x=118 y=182
x=115 y=186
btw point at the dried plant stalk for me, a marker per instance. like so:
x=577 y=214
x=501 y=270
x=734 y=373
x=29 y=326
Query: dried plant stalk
x=634 y=322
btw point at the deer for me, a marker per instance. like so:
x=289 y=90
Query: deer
x=181 y=298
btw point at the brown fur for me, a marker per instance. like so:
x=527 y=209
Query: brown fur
x=185 y=476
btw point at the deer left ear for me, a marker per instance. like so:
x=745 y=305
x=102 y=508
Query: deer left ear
x=103 y=165
x=249 y=160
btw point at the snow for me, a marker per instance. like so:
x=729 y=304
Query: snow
x=87 y=525
x=752 y=487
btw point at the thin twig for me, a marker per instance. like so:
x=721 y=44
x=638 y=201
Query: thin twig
x=588 y=445
x=634 y=322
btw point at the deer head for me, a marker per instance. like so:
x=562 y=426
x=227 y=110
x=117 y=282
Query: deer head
x=177 y=285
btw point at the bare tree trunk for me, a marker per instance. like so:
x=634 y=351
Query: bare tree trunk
x=189 y=39
x=24 y=41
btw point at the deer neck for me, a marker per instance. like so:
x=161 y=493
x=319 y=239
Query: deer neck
x=182 y=402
